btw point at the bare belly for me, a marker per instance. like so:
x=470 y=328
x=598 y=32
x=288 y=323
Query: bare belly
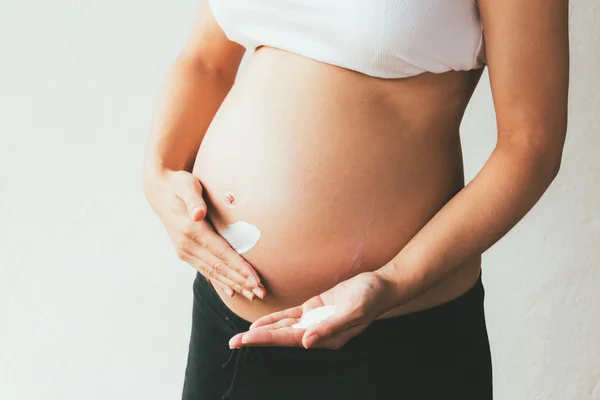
x=337 y=170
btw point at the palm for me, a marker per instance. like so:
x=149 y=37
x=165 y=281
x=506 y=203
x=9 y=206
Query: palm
x=355 y=301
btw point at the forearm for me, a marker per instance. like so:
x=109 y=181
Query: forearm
x=187 y=102
x=513 y=179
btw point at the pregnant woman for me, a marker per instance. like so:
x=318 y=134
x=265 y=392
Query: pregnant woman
x=327 y=175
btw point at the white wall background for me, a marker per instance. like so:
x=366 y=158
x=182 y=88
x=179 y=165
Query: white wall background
x=95 y=305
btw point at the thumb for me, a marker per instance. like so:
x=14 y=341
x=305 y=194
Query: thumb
x=315 y=333
x=191 y=195
x=337 y=322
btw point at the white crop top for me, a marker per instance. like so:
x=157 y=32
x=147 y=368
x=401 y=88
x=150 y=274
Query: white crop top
x=381 y=38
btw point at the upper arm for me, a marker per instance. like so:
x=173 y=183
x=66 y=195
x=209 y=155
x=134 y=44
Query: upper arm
x=208 y=47
x=527 y=49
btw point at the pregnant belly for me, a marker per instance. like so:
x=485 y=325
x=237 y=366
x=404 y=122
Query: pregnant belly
x=330 y=180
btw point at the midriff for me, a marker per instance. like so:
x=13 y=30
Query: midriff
x=338 y=170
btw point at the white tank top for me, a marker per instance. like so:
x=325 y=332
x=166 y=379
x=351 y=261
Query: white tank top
x=381 y=38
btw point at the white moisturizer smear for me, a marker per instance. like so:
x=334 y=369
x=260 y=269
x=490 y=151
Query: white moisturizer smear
x=241 y=235
x=314 y=316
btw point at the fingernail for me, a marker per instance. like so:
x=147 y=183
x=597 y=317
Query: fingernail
x=228 y=291
x=309 y=339
x=248 y=294
x=251 y=282
x=258 y=292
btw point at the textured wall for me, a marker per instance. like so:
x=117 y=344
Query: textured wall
x=95 y=305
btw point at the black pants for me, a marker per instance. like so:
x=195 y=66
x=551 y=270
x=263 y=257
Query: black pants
x=436 y=354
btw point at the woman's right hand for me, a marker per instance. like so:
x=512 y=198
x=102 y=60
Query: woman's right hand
x=176 y=196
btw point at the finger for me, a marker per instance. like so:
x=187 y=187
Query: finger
x=218 y=246
x=336 y=323
x=217 y=264
x=189 y=190
x=236 y=340
x=289 y=337
x=294 y=312
x=208 y=245
x=224 y=281
x=282 y=323
x=226 y=289
x=214 y=273
x=335 y=341
x=228 y=276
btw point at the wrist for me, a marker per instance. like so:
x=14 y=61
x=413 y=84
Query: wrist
x=401 y=283
x=153 y=178
x=156 y=166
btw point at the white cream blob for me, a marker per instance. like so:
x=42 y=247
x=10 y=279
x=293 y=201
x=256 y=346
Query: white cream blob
x=314 y=316
x=241 y=235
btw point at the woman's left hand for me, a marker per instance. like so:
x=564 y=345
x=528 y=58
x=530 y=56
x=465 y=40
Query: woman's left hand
x=358 y=300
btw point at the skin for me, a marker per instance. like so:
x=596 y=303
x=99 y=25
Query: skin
x=348 y=191
x=439 y=227
x=182 y=114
